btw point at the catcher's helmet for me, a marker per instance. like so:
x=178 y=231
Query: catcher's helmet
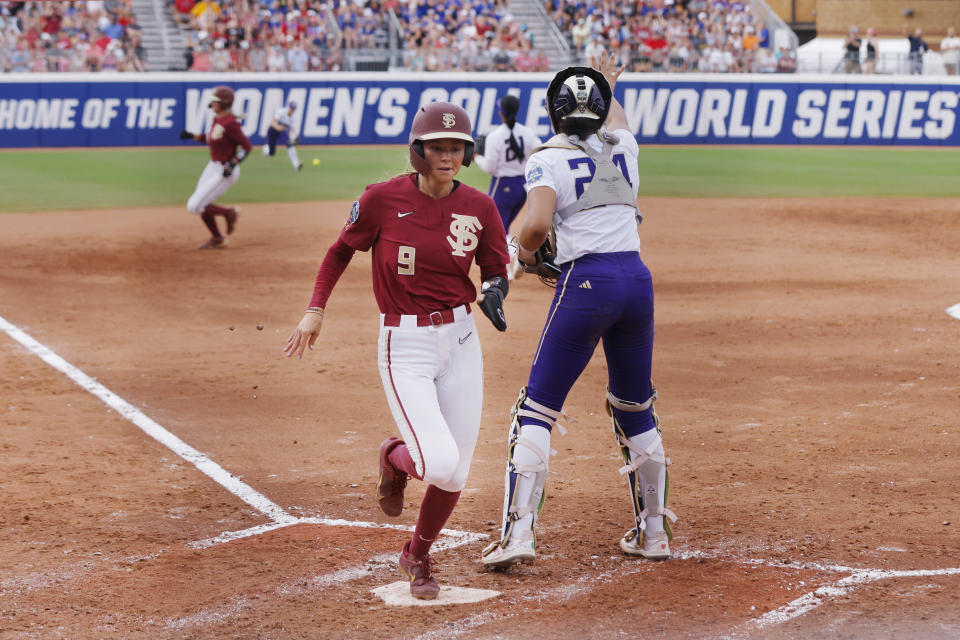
x=439 y=121
x=223 y=95
x=578 y=92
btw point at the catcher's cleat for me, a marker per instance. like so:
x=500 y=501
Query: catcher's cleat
x=652 y=547
x=392 y=481
x=420 y=574
x=516 y=551
x=217 y=242
x=232 y=219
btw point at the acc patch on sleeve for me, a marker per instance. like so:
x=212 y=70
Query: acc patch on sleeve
x=534 y=174
x=354 y=213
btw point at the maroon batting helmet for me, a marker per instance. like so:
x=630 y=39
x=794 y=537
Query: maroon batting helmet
x=223 y=95
x=439 y=121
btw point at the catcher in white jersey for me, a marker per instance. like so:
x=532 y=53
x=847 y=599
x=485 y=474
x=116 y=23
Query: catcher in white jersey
x=503 y=154
x=584 y=183
x=281 y=131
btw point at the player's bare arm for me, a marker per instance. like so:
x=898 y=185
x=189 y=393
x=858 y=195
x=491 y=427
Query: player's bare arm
x=617 y=117
x=334 y=263
x=541 y=203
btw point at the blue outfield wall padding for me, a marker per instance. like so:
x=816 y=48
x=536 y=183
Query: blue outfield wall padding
x=150 y=109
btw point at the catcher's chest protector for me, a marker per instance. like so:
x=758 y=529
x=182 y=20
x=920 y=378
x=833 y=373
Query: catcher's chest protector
x=608 y=185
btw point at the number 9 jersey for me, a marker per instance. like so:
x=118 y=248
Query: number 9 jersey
x=568 y=171
x=423 y=247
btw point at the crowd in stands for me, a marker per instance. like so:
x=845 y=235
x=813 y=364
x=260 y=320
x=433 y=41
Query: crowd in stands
x=310 y=35
x=95 y=35
x=478 y=35
x=717 y=36
x=436 y=35
x=252 y=35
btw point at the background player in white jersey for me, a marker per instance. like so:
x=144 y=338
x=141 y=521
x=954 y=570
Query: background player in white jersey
x=584 y=183
x=503 y=154
x=281 y=131
x=425 y=231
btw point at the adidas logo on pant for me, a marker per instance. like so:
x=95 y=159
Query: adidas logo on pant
x=585 y=285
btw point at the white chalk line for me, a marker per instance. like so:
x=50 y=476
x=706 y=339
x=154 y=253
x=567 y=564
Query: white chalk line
x=226 y=612
x=278 y=517
x=199 y=460
x=815 y=598
x=453 y=538
x=793 y=609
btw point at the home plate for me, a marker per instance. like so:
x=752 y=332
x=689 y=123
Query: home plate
x=397 y=594
x=954 y=311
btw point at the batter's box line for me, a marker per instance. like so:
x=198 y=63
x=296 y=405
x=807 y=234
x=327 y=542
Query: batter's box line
x=795 y=608
x=452 y=538
x=278 y=516
x=810 y=601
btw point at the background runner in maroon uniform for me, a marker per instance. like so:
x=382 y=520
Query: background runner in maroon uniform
x=228 y=147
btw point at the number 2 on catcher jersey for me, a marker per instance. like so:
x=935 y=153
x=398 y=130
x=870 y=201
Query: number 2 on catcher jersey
x=581 y=182
x=405 y=261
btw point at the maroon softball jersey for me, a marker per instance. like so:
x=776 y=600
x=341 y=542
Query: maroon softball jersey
x=224 y=138
x=423 y=248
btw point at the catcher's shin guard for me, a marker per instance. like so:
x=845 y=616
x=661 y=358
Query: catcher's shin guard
x=646 y=469
x=524 y=483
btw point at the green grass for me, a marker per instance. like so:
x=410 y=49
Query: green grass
x=39 y=180
x=799 y=172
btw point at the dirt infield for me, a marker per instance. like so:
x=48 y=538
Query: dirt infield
x=809 y=381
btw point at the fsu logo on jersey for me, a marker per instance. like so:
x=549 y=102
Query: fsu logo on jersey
x=449 y=120
x=464 y=231
x=217 y=132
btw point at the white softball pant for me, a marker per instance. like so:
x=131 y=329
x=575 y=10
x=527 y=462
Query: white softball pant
x=433 y=378
x=211 y=186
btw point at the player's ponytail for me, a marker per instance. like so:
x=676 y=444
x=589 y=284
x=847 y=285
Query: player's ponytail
x=515 y=146
x=509 y=107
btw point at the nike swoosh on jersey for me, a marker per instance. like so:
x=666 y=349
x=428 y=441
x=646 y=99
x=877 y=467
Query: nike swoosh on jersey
x=464 y=338
x=406 y=213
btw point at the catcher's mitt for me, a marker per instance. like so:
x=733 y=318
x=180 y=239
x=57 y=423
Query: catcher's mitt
x=481 y=144
x=544 y=265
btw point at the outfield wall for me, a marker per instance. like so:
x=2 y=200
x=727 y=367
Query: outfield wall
x=77 y=110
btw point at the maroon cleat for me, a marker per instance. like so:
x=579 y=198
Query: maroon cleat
x=232 y=219
x=420 y=574
x=392 y=481
x=216 y=242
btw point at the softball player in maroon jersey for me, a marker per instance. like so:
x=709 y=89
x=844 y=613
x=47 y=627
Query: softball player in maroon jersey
x=425 y=229
x=228 y=147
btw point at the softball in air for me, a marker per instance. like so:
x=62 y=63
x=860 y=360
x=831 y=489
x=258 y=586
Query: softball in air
x=316 y=162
